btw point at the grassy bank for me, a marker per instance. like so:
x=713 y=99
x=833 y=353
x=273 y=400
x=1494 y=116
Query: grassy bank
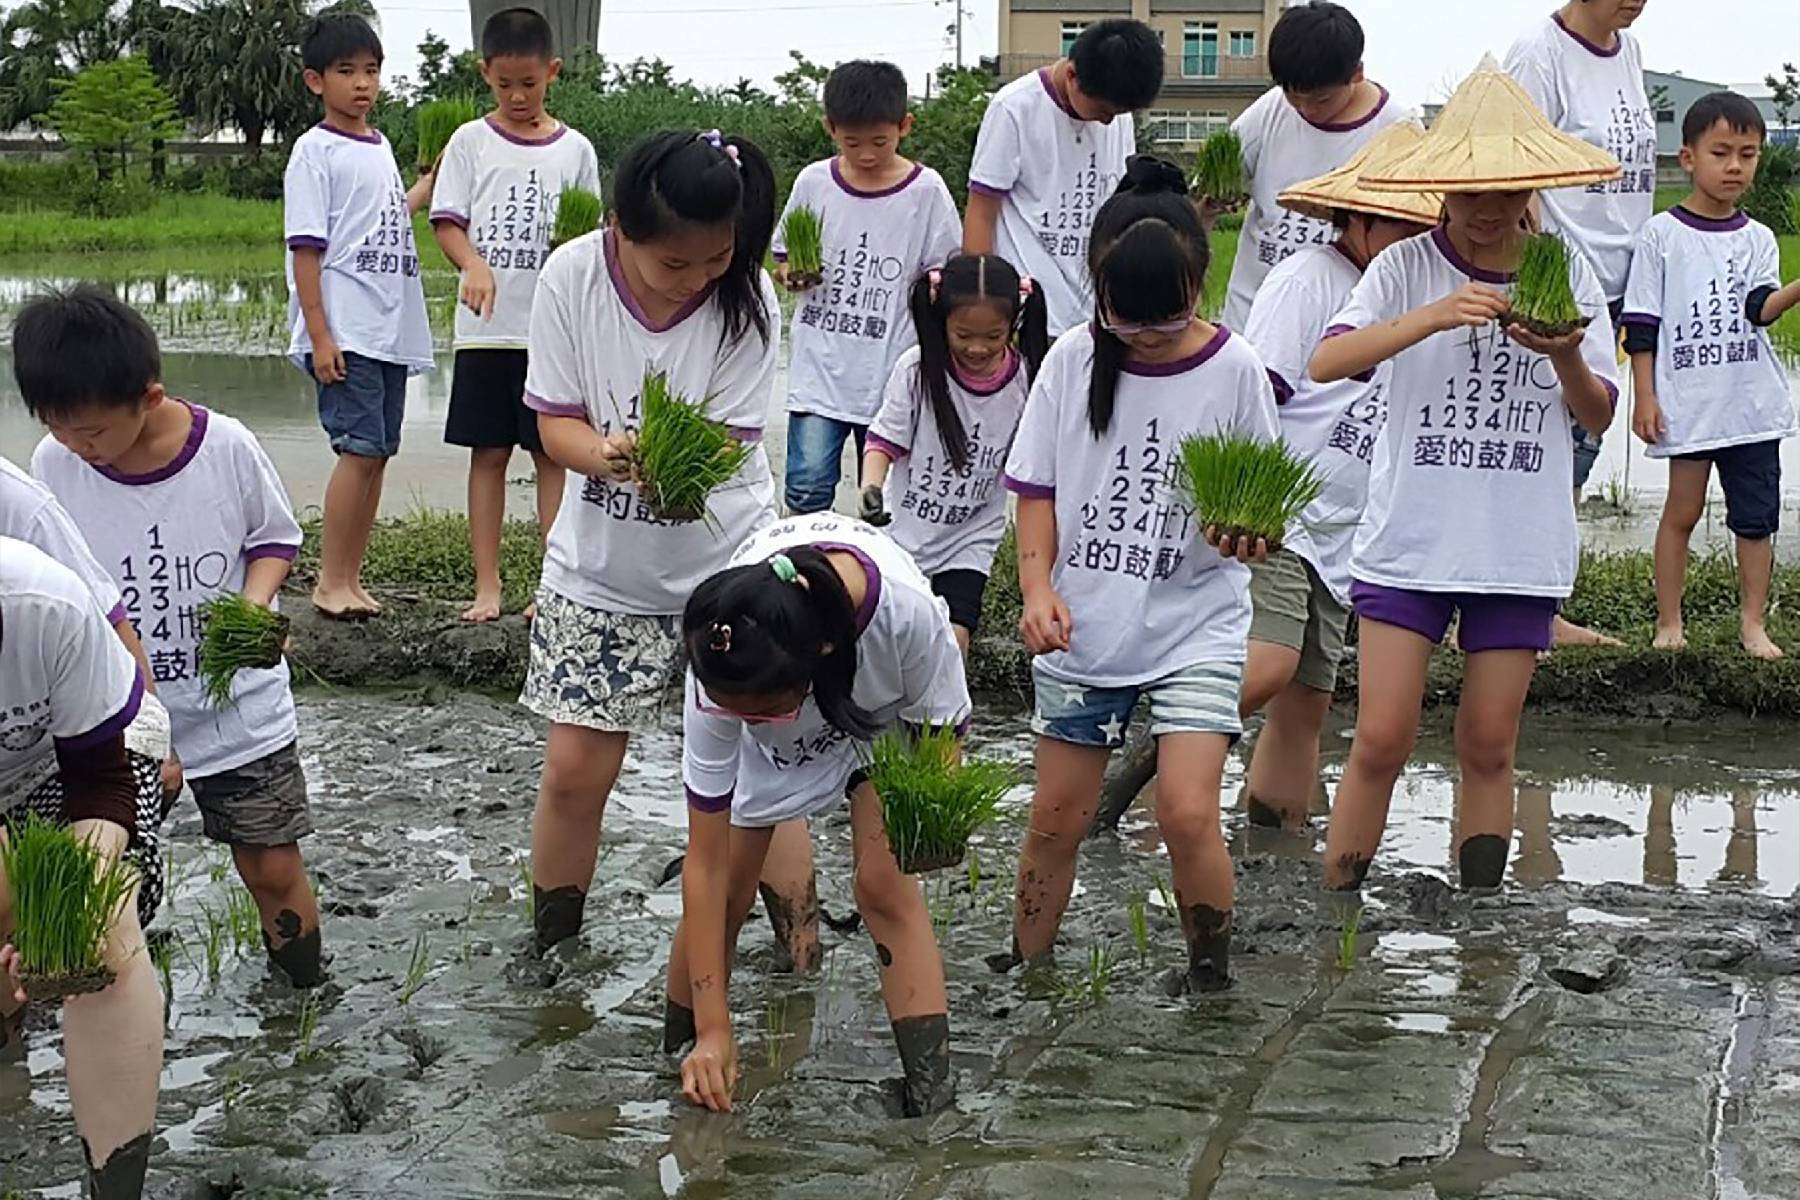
x=246 y=232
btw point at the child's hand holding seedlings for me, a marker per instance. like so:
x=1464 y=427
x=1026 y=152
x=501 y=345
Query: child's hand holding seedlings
x=9 y=972
x=1244 y=548
x=477 y=292
x=1472 y=304
x=1556 y=347
x=618 y=457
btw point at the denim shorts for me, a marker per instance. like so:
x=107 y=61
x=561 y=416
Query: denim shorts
x=1199 y=699
x=1750 y=476
x=1490 y=621
x=361 y=413
x=815 y=456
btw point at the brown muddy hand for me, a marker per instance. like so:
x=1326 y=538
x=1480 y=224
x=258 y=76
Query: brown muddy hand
x=558 y=914
x=678 y=1026
x=924 y=1044
x=122 y=1178
x=1208 y=933
x=1482 y=859
x=301 y=956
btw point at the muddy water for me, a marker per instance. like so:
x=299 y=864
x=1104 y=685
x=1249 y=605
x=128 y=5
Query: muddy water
x=1429 y=1053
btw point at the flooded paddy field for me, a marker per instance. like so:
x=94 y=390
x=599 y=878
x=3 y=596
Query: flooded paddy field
x=1623 y=1020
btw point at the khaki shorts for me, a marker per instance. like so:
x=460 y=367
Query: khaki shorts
x=262 y=803
x=1293 y=608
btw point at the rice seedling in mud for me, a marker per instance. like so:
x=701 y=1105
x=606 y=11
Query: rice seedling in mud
x=577 y=212
x=1138 y=918
x=162 y=953
x=1165 y=893
x=804 y=233
x=1242 y=487
x=244 y=922
x=437 y=120
x=1543 y=299
x=237 y=634
x=683 y=456
x=416 y=968
x=308 y=1026
x=1090 y=986
x=930 y=801
x=1219 y=170
x=66 y=893
x=212 y=943
x=1346 y=944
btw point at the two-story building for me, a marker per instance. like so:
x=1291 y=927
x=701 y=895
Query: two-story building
x=1217 y=54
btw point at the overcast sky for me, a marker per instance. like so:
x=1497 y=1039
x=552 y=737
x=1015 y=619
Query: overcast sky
x=1416 y=47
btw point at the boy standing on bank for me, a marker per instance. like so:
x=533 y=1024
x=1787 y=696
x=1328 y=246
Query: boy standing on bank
x=492 y=212
x=356 y=303
x=1704 y=287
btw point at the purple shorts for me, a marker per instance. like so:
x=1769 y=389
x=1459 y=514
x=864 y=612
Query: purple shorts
x=1489 y=621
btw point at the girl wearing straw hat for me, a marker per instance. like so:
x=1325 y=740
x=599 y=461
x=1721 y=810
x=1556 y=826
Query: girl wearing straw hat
x=1468 y=512
x=1301 y=594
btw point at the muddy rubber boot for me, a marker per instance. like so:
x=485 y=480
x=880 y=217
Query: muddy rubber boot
x=1208 y=932
x=1260 y=815
x=1481 y=861
x=924 y=1043
x=122 y=1178
x=12 y=1035
x=678 y=1026
x=1354 y=868
x=301 y=956
x=788 y=918
x=1132 y=770
x=556 y=915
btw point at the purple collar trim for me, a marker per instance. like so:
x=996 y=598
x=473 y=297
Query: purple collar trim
x=516 y=140
x=172 y=468
x=372 y=138
x=837 y=177
x=865 y=612
x=616 y=273
x=1180 y=365
x=1694 y=220
x=1056 y=96
x=993 y=383
x=1352 y=126
x=1596 y=51
x=1440 y=237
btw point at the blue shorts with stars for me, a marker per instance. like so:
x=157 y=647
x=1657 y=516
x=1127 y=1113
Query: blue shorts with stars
x=1199 y=699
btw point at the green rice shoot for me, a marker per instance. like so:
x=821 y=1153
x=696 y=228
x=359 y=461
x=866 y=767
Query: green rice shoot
x=65 y=897
x=437 y=120
x=577 y=213
x=683 y=455
x=804 y=232
x=930 y=802
x=1243 y=487
x=236 y=634
x=1219 y=169
x=1543 y=299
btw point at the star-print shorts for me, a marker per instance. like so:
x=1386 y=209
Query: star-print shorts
x=1199 y=699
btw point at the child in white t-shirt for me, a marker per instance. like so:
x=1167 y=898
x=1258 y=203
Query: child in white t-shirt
x=1468 y=512
x=1051 y=149
x=885 y=219
x=1705 y=284
x=821 y=634
x=1319 y=113
x=492 y=211
x=181 y=505
x=937 y=451
x=1124 y=597
x=356 y=302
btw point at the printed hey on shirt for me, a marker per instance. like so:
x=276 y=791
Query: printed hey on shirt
x=504 y=191
x=172 y=541
x=850 y=329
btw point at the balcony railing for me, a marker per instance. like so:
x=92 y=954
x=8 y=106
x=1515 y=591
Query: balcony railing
x=1179 y=70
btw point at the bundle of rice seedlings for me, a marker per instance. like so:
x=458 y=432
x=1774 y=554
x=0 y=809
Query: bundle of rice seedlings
x=577 y=213
x=804 y=232
x=683 y=455
x=1543 y=300
x=1219 y=170
x=437 y=120
x=65 y=896
x=931 y=803
x=1242 y=487
x=237 y=634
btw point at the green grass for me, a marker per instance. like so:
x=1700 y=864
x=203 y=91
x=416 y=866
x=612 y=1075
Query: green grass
x=1243 y=486
x=1219 y=169
x=236 y=634
x=804 y=232
x=683 y=455
x=930 y=802
x=65 y=895
x=1543 y=296
x=577 y=212
x=437 y=120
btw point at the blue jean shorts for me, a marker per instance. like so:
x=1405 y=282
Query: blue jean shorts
x=361 y=413
x=1199 y=699
x=815 y=454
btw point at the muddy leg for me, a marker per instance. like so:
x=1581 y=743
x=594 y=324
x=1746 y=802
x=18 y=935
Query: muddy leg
x=1131 y=773
x=1187 y=810
x=580 y=768
x=1068 y=783
x=790 y=893
x=276 y=877
x=1284 y=767
x=1487 y=734
x=748 y=850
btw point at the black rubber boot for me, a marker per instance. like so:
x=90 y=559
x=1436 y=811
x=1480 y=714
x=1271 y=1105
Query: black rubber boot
x=679 y=1030
x=1482 y=860
x=122 y=1178
x=924 y=1044
x=556 y=915
x=1208 y=933
x=301 y=956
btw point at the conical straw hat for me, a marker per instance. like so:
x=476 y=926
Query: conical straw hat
x=1342 y=189
x=1492 y=138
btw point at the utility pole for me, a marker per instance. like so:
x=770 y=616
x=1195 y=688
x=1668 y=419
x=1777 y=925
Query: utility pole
x=955 y=28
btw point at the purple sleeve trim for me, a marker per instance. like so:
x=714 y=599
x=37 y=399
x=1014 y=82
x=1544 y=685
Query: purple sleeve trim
x=1637 y=318
x=1332 y=331
x=554 y=408
x=745 y=433
x=875 y=441
x=272 y=550
x=451 y=217
x=117 y=614
x=1030 y=491
x=709 y=804
x=1364 y=376
x=779 y=255
x=1612 y=391
x=1284 y=391
x=307 y=243
x=1755 y=303
x=982 y=189
x=963 y=726
x=114 y=725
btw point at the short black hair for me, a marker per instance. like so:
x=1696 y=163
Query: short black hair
x=520 y=32
x=333 y=37
x=79 y=346
x=1315 y=45
x=865 y=93
x=1119 y=61
x=1740 y=114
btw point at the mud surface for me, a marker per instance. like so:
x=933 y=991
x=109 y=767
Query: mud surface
x=1623 y=1020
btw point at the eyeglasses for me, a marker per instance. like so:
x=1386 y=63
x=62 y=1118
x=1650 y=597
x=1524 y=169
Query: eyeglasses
x=1125 y=330
x=704 y=703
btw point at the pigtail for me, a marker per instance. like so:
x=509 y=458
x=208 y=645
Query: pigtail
x=1103 y=381
x=929 y=313
x=1034 y=329
x=834 y=618
x=740 y=288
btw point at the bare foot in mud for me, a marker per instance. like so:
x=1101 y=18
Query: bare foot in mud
x=1567 y=633
x=1669 y=637
x=486 y=608
x=340 y=605
x=363 y=598
x=1758 y=644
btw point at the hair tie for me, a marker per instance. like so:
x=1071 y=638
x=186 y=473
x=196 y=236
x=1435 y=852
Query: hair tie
x=716 y=140
x=783 y=566
x=935 y=277
x=1025 y=286
x=720 y=642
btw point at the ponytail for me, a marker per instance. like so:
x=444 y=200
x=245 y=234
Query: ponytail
x=750 y=632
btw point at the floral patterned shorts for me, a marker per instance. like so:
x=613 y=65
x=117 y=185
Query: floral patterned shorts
x=614 y=672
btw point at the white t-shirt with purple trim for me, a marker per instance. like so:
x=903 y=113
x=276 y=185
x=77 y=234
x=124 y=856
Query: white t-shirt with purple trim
x=908 y=669
x=1052 y=171
x=1331 y=425
x=503 y=190
x=1148 y=596
x=172 y=540
x=342 y=196
x=1718 y=380
x=948 y=520
x=1282 y=148
x=849 y=331
x=65 y=678
x=591 y=345
x=1598 y=96
x=30 y=513
x=1470 y=487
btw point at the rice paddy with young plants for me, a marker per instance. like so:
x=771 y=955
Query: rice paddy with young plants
x=683 y=456
x=1243 y=487
x=1543 y=298
x=577 y=213
x=237 y=634
x=65 y=895
x=1219 y=170
x=932 y=800
x=437 y=120
x=804 y=232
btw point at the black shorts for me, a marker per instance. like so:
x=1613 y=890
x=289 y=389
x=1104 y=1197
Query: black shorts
x=1750 y=476
x=962 y=591
x=487 y=402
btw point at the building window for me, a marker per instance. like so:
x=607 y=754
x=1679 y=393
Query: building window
x=1180 y=127
x=1070 y=31
x=1243 y=44
x=1665 y=116
x=1200 y=50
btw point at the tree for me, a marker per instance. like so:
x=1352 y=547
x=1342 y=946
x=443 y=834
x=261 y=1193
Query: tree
x=1784 y=90
x=443 y=75
x=45 y=41
x=114 y=110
